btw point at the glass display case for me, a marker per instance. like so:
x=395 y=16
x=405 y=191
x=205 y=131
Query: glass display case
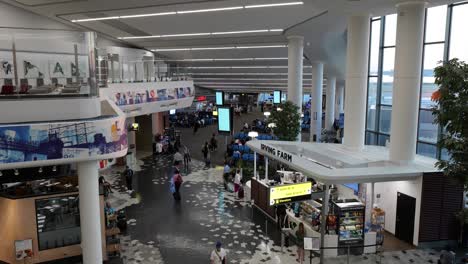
x=350 y=225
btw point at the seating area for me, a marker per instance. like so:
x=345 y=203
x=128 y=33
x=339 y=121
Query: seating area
x=245 y=136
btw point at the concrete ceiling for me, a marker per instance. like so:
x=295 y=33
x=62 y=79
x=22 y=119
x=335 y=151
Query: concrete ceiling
x=321 y=22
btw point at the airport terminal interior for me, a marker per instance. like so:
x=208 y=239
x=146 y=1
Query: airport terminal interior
x=233 y=131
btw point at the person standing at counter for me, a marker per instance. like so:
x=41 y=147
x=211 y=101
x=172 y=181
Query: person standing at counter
x=280 y=214
x=300 y=234
x=237 y=181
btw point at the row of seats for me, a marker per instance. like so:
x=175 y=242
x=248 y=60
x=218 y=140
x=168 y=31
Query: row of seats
x=245 y=156
x=240 y=148
x=244 y=136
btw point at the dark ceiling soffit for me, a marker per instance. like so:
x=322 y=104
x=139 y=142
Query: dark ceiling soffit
x=143 y=6
x=304 y=21
x=49 y=4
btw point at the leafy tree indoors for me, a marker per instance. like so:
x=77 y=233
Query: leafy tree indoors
x=286 y=118
x=451 y=113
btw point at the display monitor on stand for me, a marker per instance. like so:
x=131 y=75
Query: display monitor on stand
x=172 y=112
x=219 y=98
x=277 y=97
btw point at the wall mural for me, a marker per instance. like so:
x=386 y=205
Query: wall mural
x=6 y=68
x=59 y=69
x=70 y=140
x=32 y=70
x=151 y=95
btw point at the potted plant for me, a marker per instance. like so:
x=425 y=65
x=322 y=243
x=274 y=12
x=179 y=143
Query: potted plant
x=451 y=113
x=287 y=121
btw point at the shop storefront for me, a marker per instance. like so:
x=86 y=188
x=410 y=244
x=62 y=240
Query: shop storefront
x=355 y=197
x=41 y=218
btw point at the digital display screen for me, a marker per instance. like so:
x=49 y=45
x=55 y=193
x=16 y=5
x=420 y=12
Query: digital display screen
x=224 y=119
x=219 y=98
x=135 y=127
x=172 y=112
x=277 y=97
x=290 y=193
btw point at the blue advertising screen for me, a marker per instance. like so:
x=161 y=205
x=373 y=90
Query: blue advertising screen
x=219 y=98
x=277 y=97
x=224 y=119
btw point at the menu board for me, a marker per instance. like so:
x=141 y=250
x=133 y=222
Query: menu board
x=290 y=193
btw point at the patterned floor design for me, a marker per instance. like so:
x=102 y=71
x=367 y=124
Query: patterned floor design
x=161 y=230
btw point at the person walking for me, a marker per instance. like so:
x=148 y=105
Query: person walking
x=178 y=158
x=218 y=255
x=206 y=152
x=237 y=181
x=176 y=182
x=128 y=173
x=213 y=142
x=187 y=157
x=196 y=125
x=226 y=172
x=300 y=234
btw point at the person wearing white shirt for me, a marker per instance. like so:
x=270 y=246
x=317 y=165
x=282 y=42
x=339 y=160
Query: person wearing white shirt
x=178 y=158
x=218 y=255
x=237 y=181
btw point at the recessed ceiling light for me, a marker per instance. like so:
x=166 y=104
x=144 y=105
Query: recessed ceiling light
x=205 y=34
x=181 y=12
x=218 y=48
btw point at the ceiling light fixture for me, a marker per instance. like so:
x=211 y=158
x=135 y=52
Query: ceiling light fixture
x=54 y=168
x=209 y=10
x=181 y=12
x=148 y=15
x=204 y=34
x=240 y=73
x=275 y=5
x=16 y=172
x=40 y=170
x=220 y=48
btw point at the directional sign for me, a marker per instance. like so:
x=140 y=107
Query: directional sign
x=290 y=193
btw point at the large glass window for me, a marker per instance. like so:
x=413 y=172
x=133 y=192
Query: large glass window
x=387 y=75
x=390 y=30
x=374 y=48
x=458 y=36
x=428 y=131
x=372 y=104
x=429 y=150
x=435 y=23
x=433 y=55
x=385 y=118
x=58 y=222
x=371 y=138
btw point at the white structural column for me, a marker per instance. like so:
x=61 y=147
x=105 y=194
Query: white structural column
x=339 y=101
x=330 y=103
x=408 y=59
x=316 y=102
x=90 y=216
x=356 y=81
x=295 y=56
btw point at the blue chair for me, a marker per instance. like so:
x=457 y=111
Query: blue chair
x=235 y=147
x=260 y=137
x=246 y=149
x=236 y=156
x=241 y=148
x=245 y=157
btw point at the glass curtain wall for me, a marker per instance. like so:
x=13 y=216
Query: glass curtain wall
x=444 y=38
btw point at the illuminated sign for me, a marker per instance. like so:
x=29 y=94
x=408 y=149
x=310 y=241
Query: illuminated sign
x=290 y=193
x=276 y=152
x=201 y=98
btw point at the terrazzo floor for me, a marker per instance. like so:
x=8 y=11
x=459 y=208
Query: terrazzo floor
x=161 y=230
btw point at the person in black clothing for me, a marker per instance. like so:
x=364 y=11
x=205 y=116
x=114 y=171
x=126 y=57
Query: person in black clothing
x=213 y=142
x=196 y=125
x=128 y=177
x=281 y=214
x=205 y=151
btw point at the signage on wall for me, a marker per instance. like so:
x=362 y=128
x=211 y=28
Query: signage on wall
x=23 y=249
x=285 y=156
x=290 y=193
x=201 y=98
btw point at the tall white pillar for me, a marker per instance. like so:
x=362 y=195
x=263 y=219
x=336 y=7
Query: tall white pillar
x=295 y=56
x=356 y=81
x=316 y=101
x=408 y=59
x=90 y=215
x=330 y=103
x=339 y=101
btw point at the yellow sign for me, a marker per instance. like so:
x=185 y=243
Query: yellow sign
x=290 y=193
